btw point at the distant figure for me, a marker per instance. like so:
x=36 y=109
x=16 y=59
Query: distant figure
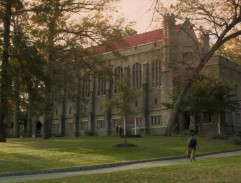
x=120 y=130
x=191 y=147
x=117 y=129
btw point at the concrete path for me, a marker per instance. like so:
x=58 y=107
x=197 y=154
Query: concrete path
x=174 y=161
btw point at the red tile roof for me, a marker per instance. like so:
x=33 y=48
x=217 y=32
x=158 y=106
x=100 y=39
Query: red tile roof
x=144 y=38
x=135 y=40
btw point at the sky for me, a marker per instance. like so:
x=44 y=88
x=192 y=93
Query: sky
x=137 y=10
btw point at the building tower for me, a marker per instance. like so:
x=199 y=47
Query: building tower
x=168 y=63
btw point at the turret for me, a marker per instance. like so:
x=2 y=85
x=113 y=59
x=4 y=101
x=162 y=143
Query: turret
x=169 y=42
x=169 y=29
x=203 y=39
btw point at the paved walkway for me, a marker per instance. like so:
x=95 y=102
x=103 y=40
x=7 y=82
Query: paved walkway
x=172 y=161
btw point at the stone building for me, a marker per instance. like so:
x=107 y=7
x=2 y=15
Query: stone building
x=151 y=58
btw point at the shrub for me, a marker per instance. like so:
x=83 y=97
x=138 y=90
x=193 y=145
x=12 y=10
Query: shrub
x=220 y=137
x=89 y=133
x=236 y=141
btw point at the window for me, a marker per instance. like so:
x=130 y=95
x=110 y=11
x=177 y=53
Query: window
x=57 y=95
x=118 y=76
x=156 y=120
x=56 y=112
x=156 y=73
x=85 y=84
x=55 y=128
x=100 y=124
x=116 y=122
x=101 y=85
x=70 y=92
x=136 y=75
x=70 y=110
x=156 y=102
x=83 y=125
x=138 y=122
x=69 y=127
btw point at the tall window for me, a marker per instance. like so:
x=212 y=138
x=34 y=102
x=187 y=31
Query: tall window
x=85 y=83
x=55 y=128
x=100 y=124
x=101 y=85
x=138 y=121
x=155 y=73
x=136 y=74
x=83 y=125
x=156 y=120
x=118 y=76
x=69 y=127
x=116 y=122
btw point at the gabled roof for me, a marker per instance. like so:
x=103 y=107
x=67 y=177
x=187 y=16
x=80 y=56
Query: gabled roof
x=135 y=40
x=144 y=38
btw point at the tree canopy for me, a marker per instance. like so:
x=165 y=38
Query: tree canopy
x=219 y=19
x=40 y=38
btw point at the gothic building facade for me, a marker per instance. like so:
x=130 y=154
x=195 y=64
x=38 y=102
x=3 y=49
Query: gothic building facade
x=151 y=58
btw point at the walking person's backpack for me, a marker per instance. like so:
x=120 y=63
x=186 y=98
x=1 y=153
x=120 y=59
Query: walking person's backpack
x=192 y=142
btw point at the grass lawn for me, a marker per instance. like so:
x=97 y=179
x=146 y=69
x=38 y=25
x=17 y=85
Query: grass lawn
x=36 y=153
x=221 y=170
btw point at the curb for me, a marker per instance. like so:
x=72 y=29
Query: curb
x=109 y=165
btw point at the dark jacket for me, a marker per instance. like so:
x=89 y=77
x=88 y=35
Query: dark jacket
x=192 y=142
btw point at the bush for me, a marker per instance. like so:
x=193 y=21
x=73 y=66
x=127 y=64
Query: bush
x=236 y=141
x=89 y=133
x=220 y=137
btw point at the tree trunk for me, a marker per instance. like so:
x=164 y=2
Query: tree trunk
x=29 y=122
x=63 y=116
x=125 y=127
x=17 y=107
x=219 y=124
x=48 y=91
x=16 y=121
x=78 y=108
x=177 y=105
x=5 y=79
x=187 y=86
x=196 y=124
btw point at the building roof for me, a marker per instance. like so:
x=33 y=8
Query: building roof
x=135 y=40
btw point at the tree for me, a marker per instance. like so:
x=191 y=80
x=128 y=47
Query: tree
x=27 y=71
x=231 y=50
x=17 y=58
x=123 y=100
x=55 y=28
x=207 y=96
x=223 y=19
x=6 y=13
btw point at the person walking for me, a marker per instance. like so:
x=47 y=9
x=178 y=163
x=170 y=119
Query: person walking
x=191 y=147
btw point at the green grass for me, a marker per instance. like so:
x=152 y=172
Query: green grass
x=220 y=170
x=29 y=154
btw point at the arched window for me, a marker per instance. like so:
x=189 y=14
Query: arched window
x=156 y=73
x=101 y=85
x=136 y=75
x=85 y=83
x=118 y=76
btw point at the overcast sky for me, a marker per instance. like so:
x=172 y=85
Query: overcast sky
x=137 y=10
